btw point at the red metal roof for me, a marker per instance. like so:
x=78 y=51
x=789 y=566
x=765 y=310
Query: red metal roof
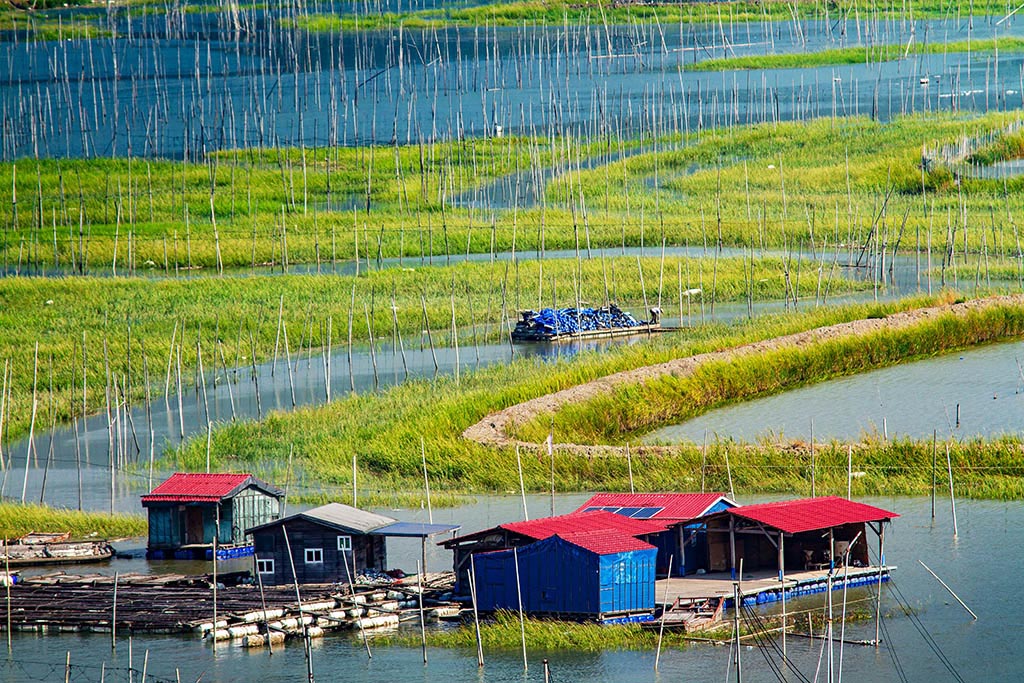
x=196 y=488
x=577 y=522
x=675 y=506
x=811 y=514
x=605 y=541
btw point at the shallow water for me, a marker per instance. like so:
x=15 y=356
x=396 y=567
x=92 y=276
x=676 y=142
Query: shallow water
x=183 y=88
x=984 y=387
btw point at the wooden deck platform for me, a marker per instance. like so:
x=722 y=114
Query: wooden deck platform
x=761 y=586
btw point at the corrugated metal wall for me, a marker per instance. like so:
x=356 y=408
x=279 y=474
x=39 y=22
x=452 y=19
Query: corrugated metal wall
x=627 y=581
x=560 y=578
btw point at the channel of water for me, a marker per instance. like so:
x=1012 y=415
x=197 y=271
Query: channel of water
x=983 y=387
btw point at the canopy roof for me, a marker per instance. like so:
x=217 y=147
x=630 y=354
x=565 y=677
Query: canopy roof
x=810 y=514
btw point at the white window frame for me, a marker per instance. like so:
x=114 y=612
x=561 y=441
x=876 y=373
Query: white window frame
x=264 y=566
x=314 y=553
x=345 y=544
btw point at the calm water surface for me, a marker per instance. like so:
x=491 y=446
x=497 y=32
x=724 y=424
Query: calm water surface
x=910 y=400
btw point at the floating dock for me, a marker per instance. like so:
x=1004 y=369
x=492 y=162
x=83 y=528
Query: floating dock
x=758 y=588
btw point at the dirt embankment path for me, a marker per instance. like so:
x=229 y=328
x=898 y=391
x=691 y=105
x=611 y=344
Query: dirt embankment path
x=494 y=429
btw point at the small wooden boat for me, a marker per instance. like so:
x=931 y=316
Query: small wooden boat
x=42 y=549
x=689 y=615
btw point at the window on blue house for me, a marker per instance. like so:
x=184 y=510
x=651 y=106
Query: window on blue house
x=314 y=555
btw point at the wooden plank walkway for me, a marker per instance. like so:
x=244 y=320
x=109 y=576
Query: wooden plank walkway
x=719 y=584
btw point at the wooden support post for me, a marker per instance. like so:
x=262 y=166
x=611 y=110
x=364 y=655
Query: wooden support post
x=732 y=546
x=113 y=617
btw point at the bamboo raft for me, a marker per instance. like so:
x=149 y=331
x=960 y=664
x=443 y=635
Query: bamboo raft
x=60 y=603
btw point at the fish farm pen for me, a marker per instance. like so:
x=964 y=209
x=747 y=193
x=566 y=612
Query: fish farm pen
x=560 y=324
x=138 y=603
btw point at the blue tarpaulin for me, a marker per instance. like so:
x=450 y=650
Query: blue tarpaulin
x=551 y=322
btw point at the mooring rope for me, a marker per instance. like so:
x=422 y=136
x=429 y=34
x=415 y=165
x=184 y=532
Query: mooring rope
x=765 y=642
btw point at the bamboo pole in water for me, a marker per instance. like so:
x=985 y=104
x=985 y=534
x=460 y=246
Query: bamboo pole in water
x=263 y=599
x=113 y=617
x=522 y=487
x=32 y=424
x=426 y=480
x=664 y=611
x=522 y=618
x=476 y=613
x=934 y=436
x=7 y=586
x=952 y=498
x=423 y=624
x=298 y=599
x=629 y=465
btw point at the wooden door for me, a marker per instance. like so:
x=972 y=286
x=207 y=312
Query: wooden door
x=193 y=525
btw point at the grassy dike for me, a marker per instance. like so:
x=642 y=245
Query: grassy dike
x=384 y=430
x=983 y=468
x=18 y=520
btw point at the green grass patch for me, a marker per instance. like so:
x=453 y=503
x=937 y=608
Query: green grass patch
x=598 y=12
x=17 y=520
x=133 y=322
x=384 y=430
x=856 y=55
x=771 y=186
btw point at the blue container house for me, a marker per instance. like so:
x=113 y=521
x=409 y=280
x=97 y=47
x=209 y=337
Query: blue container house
x=602 y=575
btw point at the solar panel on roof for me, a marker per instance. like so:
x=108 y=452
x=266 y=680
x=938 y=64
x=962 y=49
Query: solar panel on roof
x=628 y=512
x=646 y=513
x=594 y=509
